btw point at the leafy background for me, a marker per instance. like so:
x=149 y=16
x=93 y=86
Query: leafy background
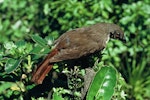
x=22 y=20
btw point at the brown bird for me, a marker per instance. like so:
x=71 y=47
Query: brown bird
x=77 y=43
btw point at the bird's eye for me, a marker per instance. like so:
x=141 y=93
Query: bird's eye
x=111 y=35
x=118 y=35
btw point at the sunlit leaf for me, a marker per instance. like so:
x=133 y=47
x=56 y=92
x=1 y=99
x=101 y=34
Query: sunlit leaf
x=57 y=97
x=102 y=87
x=9 y=45
x=46 y=9
x=40 y=50
x=12 y=64
x=39 y=40
x=4 y=86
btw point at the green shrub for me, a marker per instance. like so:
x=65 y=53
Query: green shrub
x=27 y=26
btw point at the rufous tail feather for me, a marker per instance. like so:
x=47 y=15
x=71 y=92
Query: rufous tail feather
x=44 y=68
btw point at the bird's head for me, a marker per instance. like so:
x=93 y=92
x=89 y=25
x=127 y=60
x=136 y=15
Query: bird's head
x=116 y=33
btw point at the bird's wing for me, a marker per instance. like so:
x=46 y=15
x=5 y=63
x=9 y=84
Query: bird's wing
x=74 y=44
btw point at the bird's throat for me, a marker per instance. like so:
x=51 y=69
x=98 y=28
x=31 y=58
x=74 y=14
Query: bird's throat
x=107 y=39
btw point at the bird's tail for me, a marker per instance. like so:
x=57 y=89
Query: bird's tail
x=43 y=69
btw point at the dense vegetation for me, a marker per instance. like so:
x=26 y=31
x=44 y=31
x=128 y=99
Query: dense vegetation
x=26 y=26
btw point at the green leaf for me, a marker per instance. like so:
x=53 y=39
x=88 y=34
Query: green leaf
x=46 y=9
x=39 y=40
x=104 y=14
x=102 y=87
x=9 y=45
x=57 y=97
x=40 y=50
x=4 y=86
x=20 y=43
x=11 y=64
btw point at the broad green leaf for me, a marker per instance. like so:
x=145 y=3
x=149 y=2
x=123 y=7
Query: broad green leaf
x=11 y=64
x=102 y=87
x=20 y=43
x=105 y=14
x=40 y=50
x=39 y=40
x=57 y=97
x=46 y=9
x=9 y=45
x=4 y=86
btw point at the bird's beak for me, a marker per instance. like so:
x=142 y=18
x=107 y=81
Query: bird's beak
x=123 y=39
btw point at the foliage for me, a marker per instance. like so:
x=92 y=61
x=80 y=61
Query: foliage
x=102 y=87
x=28 y=28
